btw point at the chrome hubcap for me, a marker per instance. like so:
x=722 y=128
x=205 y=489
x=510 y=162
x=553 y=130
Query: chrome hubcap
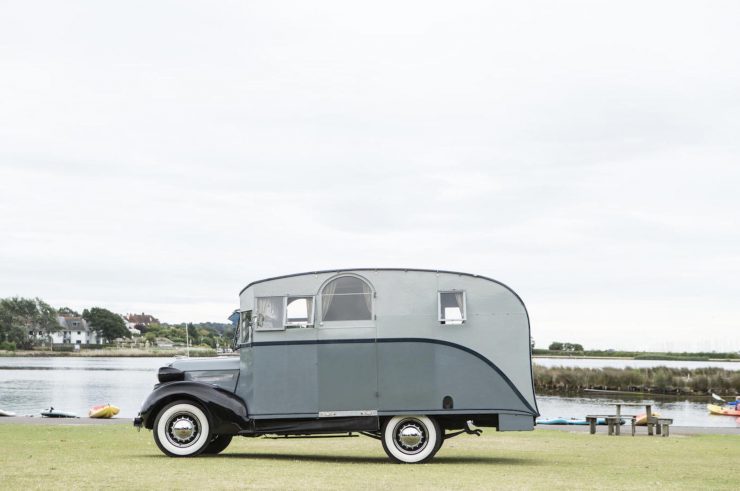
x=410 y=436
x=182 y=429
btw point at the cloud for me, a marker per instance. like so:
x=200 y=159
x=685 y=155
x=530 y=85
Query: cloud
x=161 y=156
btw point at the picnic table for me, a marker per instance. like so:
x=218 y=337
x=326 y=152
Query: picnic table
x=614 y=421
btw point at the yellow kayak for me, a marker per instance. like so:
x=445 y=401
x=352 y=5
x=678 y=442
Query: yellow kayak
x=641 y=419
x=715 y=409
x=105 y=411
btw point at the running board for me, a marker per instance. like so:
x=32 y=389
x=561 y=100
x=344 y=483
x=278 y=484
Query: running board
x=283 y=437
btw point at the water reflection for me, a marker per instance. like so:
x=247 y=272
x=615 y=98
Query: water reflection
x=683 y=412
x=29 y=384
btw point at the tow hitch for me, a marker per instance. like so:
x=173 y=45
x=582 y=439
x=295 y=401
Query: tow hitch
x=467 y=429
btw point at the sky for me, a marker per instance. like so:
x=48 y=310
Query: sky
x=158 y=156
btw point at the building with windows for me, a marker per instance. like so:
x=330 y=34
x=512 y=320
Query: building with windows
x=73 y=330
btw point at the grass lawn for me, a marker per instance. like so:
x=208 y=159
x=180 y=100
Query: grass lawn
x=116 y=456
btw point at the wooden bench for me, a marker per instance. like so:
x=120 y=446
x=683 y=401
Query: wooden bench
x=613 y=422
x=662 y=426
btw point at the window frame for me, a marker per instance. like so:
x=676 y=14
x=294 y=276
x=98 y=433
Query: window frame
x=340 y=324
x=249 y=327
x=256 y=325
x=299 y=325
x=452 y=322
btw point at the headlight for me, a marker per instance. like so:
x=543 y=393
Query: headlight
x=169 y=374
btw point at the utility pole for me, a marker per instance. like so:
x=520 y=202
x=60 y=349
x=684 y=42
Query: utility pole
x=187 y=341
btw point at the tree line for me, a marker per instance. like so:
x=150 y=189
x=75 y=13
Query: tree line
x=21 y=316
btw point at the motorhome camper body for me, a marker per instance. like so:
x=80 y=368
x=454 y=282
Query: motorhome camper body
x=406 y=356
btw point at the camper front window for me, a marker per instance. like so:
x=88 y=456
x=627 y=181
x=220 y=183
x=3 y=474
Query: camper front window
x=245 y=327
x=298 y=311
x=452 y=308
x=268 y=314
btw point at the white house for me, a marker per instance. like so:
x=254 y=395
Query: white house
x=74 y=330
x=131 y=327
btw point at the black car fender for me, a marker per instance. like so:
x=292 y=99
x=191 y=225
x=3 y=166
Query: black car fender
x=227 y=412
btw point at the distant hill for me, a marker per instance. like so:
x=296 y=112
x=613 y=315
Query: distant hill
x=216 y=326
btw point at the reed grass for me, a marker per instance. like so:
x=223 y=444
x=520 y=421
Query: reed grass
x=666 y=380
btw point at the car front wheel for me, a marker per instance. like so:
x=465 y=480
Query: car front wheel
x=182 y=429
x=411 y=439
x=218 y=444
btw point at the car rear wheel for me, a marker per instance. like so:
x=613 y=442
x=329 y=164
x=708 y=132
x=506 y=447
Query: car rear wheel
x=411 y=439
x=182 y=429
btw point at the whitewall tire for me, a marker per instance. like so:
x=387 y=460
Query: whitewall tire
x=411 y=439
x=182 y=429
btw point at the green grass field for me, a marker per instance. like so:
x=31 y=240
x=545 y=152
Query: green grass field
x=116 y=456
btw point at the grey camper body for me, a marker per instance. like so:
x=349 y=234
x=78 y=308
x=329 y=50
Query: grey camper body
x=406 y=356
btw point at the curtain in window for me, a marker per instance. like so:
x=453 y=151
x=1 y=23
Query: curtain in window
x=460 y=301
x=327 y=297
x=269 y=312
x=367 y=294
x=309 y=309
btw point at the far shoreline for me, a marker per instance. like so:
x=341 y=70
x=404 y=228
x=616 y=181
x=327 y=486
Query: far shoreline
x=111 y=353
x=202 y=353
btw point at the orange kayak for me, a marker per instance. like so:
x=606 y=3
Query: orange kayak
x=105 y=411
x=641 y=419
x=725 y=411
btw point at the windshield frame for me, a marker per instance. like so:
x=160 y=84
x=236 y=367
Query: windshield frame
x=243 y=332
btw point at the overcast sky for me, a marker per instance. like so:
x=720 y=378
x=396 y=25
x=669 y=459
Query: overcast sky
x=158 y=156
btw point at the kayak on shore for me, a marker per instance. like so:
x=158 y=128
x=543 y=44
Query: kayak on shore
x=571 y=421
x=104 y=411
x=641 y=419
x=53 y=413
x=723 y=411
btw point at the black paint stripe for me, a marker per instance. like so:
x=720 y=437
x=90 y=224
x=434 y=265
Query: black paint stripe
x=408 y=340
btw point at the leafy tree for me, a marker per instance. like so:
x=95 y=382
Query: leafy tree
x=18 y=316
x=105 y=323
x=192 y=333
x=68 y=311
x=558 y=346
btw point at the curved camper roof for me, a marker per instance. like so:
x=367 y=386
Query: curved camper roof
x=349 y=270
x=405 y=305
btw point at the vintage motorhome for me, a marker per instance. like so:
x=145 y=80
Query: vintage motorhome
x=410 y=357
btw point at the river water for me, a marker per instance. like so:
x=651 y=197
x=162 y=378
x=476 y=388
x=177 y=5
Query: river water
x=74 y=384
x=31 y=384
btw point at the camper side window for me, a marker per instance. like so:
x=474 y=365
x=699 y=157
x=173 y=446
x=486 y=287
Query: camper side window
x=346 y=298
x=268 y=314
x=452 y=309
x=299 y=311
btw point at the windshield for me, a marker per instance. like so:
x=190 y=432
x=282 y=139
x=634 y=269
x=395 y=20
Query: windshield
x=245 y=328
